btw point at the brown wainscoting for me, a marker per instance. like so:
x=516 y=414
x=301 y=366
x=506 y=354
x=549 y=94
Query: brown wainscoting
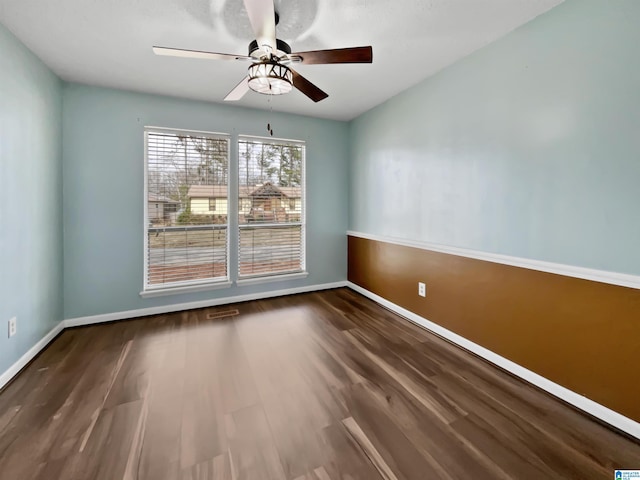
x=581 y=334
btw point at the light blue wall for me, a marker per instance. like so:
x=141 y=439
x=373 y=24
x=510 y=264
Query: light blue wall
x=529 y=147
x=30 y=198
x=103 y=192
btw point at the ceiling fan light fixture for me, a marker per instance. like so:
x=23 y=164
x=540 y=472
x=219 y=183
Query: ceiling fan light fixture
x=270 y=78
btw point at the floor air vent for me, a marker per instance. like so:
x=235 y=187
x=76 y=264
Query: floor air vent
x=224 y=314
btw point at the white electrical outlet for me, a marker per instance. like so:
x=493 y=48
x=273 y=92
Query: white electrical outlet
x=13 y=327
x=422 y=289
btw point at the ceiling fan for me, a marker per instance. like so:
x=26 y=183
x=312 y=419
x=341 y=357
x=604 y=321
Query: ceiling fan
x=270 y=72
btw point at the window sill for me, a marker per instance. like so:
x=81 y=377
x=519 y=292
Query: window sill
x=271 y=278
x=202 y=287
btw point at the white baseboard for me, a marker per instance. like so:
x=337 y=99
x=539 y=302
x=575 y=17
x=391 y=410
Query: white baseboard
x=178 y=307
x=14 y=369
x=583 y=403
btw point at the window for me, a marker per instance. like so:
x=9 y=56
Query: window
x=271 y=236
x=212 y=204
x=185 y=245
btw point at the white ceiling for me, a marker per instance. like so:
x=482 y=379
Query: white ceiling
x=108 y=43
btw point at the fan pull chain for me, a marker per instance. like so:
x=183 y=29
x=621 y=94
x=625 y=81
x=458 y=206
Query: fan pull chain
x=269 y=129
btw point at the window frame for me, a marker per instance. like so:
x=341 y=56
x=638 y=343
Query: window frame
x=187 y=285
x=287 y=275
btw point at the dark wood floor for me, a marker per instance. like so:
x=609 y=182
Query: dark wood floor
x=317 y=386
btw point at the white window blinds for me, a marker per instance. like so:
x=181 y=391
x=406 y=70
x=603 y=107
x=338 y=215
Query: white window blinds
x=270 y=207
x=186 y=208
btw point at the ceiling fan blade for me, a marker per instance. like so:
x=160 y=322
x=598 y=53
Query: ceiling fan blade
x=308 y=88
x=178 y=52
x=337 y=55
x=262 y=15
x=238 y=92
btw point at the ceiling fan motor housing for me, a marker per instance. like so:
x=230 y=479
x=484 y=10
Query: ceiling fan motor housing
x=282 y=49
